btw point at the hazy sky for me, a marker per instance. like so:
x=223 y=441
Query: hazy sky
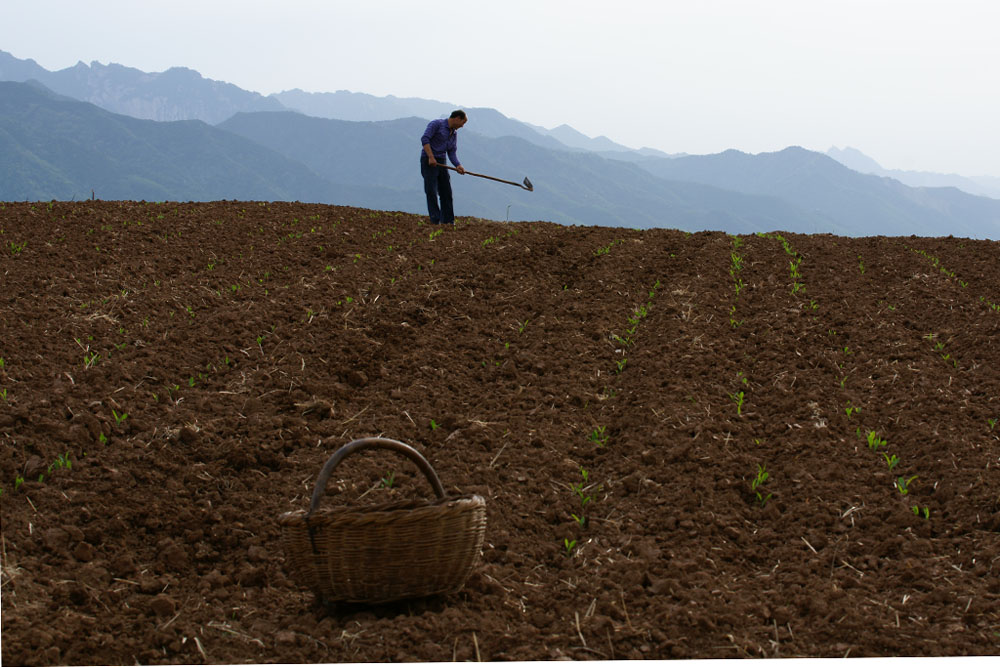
x=915 y=84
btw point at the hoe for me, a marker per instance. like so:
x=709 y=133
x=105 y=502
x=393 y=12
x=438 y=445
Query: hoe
x=527 y=184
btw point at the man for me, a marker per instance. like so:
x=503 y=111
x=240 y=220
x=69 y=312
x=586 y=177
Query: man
x=441 y=139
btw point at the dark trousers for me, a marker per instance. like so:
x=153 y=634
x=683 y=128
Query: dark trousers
x=437 y=184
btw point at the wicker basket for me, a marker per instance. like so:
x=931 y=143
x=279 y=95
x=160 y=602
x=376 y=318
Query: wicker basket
x=384 y=552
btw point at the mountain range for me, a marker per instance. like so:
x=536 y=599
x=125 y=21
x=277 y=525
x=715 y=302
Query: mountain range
x=127 y=134
x=984 y=186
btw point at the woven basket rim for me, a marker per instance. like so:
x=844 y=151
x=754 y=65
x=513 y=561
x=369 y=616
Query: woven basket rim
x=396 y=507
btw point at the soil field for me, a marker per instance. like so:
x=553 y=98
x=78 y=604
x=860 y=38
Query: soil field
x=690 y=445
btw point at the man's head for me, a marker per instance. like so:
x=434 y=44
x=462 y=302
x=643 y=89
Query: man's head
x=457 y=119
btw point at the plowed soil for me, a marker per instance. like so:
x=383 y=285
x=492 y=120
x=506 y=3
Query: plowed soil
x=174 y=376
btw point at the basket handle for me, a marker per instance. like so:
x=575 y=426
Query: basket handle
x=369 y=443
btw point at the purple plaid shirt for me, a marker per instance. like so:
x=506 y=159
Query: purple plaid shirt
x=442 y=139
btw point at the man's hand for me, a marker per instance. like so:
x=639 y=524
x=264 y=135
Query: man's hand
x=460 y=169
x=431 y=161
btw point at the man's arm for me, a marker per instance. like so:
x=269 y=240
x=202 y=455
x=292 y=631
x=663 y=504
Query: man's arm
x=426 y=141
x=430 y=155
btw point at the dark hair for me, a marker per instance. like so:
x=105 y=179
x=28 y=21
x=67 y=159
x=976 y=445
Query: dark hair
x=458 y=113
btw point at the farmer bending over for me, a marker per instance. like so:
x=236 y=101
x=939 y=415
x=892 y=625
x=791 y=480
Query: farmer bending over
x=440 y=138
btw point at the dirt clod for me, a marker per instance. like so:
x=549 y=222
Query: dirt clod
x=162 y=606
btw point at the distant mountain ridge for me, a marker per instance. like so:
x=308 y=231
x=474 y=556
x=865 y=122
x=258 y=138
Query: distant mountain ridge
x=817 y=182
x=346 y=105
x=55 y=147
x=570 y=188
x=176 y=94
x=58 y=150
x=578 y=140
x=852 y=158
x=183 y=94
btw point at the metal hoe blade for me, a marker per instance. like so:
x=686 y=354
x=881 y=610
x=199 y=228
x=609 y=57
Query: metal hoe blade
x=527 y=184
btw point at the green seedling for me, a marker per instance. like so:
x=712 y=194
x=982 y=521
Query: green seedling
x=119 y=418
x=738 y=399
x=921 y=511
x=569 y=545
x=3 y=394
x=620 y=365
x=992 y=423
x=434 y=425
x=387 y=481
x=1 y=363
x=739 y=284
x=903 y=484
x=580 y=489
x=102 y=438
x=18 y=481
x=874 y=442
x=850 y=409
x=62 y=462
x=598 y=436
x=90 y=360
x=762 y=477
x=891 y=461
